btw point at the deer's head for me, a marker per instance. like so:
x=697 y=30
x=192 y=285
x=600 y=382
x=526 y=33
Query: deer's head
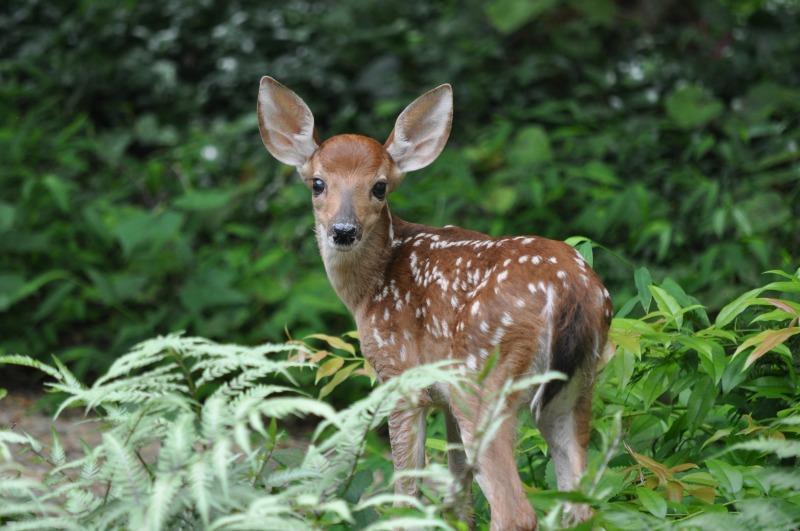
x=351 y=176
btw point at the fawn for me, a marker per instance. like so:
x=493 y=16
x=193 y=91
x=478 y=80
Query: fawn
x=421 y=294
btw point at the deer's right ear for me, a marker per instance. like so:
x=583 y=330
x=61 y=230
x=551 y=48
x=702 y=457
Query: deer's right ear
x=286 y=123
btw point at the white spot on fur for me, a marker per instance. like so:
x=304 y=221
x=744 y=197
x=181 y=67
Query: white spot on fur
x=536 y=260
x=552 y=260
x=499 y=333
x=506 y=319
x=484 y=326
x=524 y=258
x=377 y=337
x=526 y=241
x=502 y=276
x=472 y=363
x=519 y=303
x=561 y=274
x=506 y=262
x=386 y=314
x=475 y=307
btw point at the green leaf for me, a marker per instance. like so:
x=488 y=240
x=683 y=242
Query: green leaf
x=730 y=311
x=643 y=281
x=668 y=305
x=509 y=15
x=204 y=200
x=436 y=444
x=144 y=230
x=7 y=214
x=692 y=106
x=60 y=190
x=700 y=403
x=530 y=148
x=652 y=501
x=13 y=288
x=729 y=477
x=500 y=199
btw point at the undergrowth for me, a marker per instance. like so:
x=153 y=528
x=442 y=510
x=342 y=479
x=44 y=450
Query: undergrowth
x=696 y=426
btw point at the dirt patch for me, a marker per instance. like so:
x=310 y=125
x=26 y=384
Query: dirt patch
x=22 y=412
x=25 y=412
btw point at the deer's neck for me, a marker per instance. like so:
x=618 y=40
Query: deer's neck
x=356 y=274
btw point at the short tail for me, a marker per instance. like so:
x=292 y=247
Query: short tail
x=576 y=337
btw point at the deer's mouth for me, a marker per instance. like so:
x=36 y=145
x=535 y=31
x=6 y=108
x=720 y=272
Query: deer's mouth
x=342 y=248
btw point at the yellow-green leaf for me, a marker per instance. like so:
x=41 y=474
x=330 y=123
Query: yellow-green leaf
x=328 y=368
x=337 y=379
x=436 y=444
x=334 y=342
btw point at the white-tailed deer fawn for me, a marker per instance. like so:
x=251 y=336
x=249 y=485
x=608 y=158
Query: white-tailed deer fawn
x=421 y=294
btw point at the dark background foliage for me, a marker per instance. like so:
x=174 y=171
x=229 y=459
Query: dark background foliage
x=136 y=197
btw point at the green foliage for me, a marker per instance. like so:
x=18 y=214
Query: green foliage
x=136 y=198
x=222 y=461
x=696 y=425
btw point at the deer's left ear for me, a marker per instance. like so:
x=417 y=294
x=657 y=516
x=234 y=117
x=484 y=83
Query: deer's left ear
x=422 y=129
x=286 y=123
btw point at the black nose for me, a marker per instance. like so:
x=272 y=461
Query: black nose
x=344 y=233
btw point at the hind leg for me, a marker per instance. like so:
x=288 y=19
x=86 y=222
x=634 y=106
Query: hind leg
x=565 y=424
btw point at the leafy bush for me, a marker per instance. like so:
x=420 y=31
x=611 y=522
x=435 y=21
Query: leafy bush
x=136 y=199
x=697 y=425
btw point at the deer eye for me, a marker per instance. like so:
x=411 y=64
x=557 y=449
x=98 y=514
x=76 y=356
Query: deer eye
x=379 y=190
x=317 y=186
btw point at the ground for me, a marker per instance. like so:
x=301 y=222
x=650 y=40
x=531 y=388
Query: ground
x=26 y=412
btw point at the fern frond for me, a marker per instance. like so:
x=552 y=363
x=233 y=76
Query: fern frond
x=124 y=469
x=25 y=361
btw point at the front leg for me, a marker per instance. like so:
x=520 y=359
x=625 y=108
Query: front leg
x=459 y=468
x=407 y=431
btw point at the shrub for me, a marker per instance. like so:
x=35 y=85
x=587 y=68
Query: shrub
x=136 y=198
x=696 y=426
